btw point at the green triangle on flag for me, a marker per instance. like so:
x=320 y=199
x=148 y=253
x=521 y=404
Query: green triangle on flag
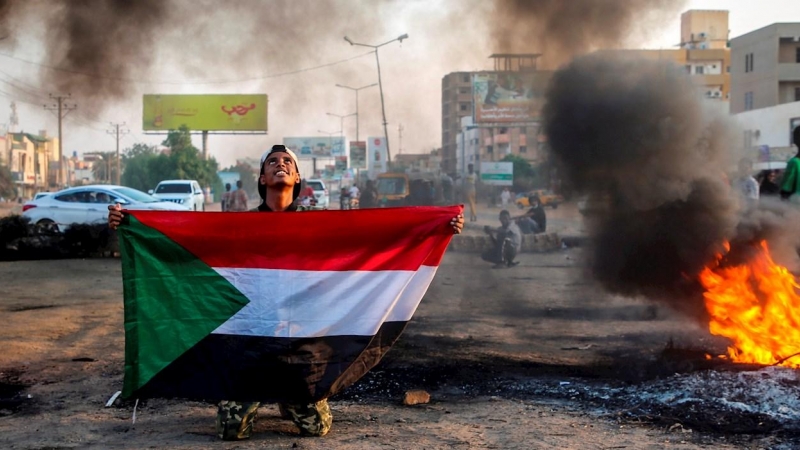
x=172 y=301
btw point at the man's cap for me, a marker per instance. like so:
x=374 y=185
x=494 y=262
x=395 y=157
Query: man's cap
x=262 y=189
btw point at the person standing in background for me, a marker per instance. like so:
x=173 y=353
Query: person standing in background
x=239 y=198
x=791 y=177
x=226 y=197
x=470 y=189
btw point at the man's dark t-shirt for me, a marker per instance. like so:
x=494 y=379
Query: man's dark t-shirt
x=538 y=215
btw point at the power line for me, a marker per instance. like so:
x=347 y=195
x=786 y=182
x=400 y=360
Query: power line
x=132 y=81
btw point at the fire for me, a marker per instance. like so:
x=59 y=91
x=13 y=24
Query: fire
x=757 y=306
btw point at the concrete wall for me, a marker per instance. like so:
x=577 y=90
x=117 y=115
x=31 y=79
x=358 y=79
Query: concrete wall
x=770 y=126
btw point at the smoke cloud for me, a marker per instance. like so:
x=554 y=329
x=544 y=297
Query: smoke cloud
x=562 y=29
x=634 y=136
x=113 y=38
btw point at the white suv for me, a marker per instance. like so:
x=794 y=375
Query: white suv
x=184 y=192
x=320 y=192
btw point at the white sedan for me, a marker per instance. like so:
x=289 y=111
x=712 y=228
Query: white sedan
x=89 y=205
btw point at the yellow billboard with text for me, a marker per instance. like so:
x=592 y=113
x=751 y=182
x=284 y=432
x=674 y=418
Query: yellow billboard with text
x=205 y=112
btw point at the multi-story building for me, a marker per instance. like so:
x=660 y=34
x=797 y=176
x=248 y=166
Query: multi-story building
x=703 y=53
x=28 y=158
x=766 y=67
x=502 y=128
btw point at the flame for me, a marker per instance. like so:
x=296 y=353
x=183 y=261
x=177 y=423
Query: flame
x=757 y=306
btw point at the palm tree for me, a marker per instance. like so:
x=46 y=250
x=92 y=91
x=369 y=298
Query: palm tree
x=105 y=167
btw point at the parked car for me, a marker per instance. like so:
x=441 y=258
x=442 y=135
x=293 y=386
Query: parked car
x=89 y=204
x=547 y=198
x=320 y=192
x=183 y=192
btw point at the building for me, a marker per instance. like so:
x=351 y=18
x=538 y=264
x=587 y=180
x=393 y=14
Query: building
x=767 y=133
x=765 y=65
x=414 y=163
x=703 y=53
x=704 y=29
x=503 y=105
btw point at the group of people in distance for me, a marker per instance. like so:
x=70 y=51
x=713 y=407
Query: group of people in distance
x=236 y=200
x=507 y=238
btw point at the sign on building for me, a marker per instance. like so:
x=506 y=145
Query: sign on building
x=203 y=112
x=497 y=173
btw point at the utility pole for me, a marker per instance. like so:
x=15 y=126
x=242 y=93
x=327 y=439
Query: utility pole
x=115 y=131
x=356 y=91
x=61 y=109
x=400 y=139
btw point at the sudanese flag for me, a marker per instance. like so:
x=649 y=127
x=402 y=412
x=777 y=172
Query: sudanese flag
x=278 y=307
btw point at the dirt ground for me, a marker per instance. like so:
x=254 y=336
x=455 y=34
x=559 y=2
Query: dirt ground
x=495 y=348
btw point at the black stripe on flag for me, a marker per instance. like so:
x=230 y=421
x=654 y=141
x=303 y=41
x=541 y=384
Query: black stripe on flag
x=270 y=369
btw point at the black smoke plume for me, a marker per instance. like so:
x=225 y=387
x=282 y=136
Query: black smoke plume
x=634 y=136
x=114 y=38
x=562 y=29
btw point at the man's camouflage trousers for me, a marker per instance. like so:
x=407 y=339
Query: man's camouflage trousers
x=235 y=419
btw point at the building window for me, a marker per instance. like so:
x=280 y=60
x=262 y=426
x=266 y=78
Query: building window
x=689 y=68
x=748 y=62
x=748 y=101
x=728 y=69
x=463 y=90
x=463 y=107
x=797 y=56
x=698 y=70
x=523 y=130
x=465 y=78
x=797 y=94
x=489 y=149
x=503 y=130
x=523 y=149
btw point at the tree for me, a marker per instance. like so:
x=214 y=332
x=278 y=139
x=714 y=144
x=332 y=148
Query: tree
x=7 y=188
x=145 y=167
x=525 y=177
x=104 y=170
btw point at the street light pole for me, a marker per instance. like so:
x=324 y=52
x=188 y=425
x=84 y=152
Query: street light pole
x=356 y=91
x=380 y=85
x=341 y=123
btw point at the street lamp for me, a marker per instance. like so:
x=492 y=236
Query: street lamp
x=341 y=122
x=380 y=85
x=356 y=91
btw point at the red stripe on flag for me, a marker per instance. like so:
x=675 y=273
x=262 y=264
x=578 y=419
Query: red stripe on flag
x=367 y=239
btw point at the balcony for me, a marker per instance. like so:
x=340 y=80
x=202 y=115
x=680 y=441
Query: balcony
x=789 y=72
x=498 y=139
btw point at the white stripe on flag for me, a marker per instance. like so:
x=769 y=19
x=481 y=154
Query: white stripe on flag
x=292 y=303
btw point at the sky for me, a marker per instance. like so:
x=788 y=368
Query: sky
x=299 y=103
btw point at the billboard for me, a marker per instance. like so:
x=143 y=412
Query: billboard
x=358 y=154
x=205 y=112
x=376 y=154
x=497 y=173
x=506 y=97
x=315 y=147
